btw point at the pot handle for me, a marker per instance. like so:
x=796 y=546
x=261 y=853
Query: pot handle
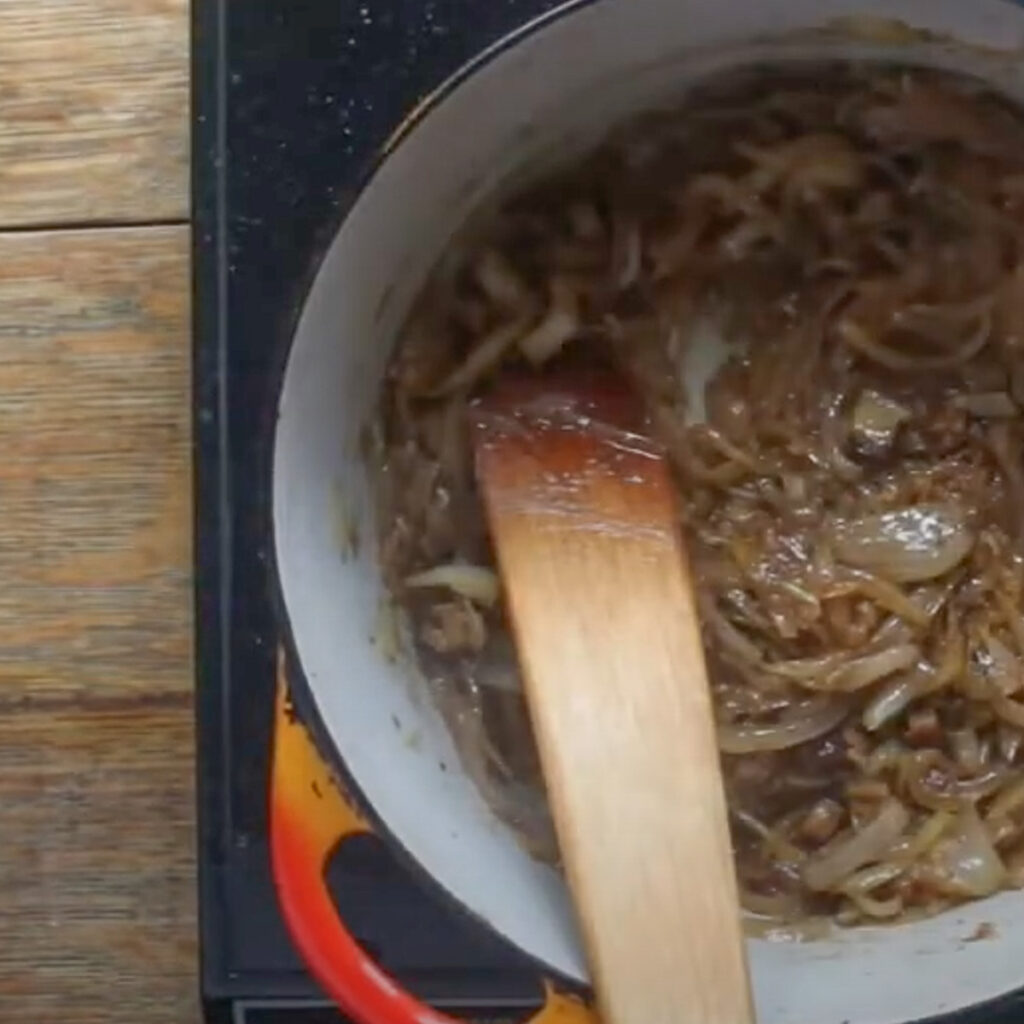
x=309 y=816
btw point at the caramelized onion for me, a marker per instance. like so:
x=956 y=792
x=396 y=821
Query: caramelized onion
x=798 y=724
x=859 y=673
x=558 y=325
x=477 y=582
x=815 y=283
x=965 y=863
x=894 y=696
x=876 y=419
x=906 y=545
x=840 y=859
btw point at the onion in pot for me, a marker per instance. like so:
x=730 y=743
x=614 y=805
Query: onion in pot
x=891 y=598
x=798 y=724
x=730 y=637
x=910 y=849
x=1009 y=742
x=863 y=341
x=804 y=670
x=908 y=545
x=500 y=282
x=485 y=356
x=1001 y=669
x=876 y=418
x=894 y=696
x=859 y=885
x=1009 y=710
x=559 y=324
x=861 y=672
x=825 y=326
x=1008 y=801
x=931 y=779
x=965 y=863
x=822 y=821
x=840 y=859
x=476 y=582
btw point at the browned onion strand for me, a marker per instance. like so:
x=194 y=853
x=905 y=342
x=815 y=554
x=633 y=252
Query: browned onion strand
x=853 y=500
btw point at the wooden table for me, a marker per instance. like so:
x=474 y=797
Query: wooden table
x=97 y=891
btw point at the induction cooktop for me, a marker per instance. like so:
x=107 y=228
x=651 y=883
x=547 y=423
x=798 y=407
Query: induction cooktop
x=291 y=102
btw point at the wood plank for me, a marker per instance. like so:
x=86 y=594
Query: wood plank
x=95 y=477
x=96 y=870
x=96 y=749
x=93 y=111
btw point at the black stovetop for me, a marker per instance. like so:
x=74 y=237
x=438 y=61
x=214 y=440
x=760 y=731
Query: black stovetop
x=291 y=101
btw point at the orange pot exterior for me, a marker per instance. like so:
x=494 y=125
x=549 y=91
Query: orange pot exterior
x=309 y=816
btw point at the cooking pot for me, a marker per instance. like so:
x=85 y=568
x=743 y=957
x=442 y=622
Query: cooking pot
x=534 y=99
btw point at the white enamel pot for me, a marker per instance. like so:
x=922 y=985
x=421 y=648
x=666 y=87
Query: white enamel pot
x=538 y=96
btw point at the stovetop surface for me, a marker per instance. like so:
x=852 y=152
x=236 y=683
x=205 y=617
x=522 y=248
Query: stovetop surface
x=291 y=102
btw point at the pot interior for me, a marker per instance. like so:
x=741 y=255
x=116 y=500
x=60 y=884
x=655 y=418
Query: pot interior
x=538 y=99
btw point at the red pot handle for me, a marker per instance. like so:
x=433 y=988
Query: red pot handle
x=309 y=816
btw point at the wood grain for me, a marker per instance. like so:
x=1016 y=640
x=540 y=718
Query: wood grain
x=585 y=524
x=93 y=111
x=96 y=812
x=96 y=870
x=94 y=474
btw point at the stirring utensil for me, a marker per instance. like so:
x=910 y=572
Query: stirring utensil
x=583 y=514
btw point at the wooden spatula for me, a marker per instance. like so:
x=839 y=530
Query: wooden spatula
x=583 y=515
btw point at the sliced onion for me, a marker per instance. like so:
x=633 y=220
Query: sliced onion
x=1009 y=742
x=798 y=724
x=951 y=793
x=558 y=325
x=840 y=859
x=859 y=885
x=907 y=545
x=500 y=282
x=1001 y=668
x=891 y=598
x=823 y=819
x=627 y=250
x=861 y=672
x=773 y=839
x=1013 y=617
x=894 y=695
x=876 y=908
x=966 y=863
x=858 y=338
x=475 y=582
x=930 y=598
x=923 y=839
x=884 y=757
x=1011 y=798
x=484 y=356
x=730 y=637
x=876 y=418
x=803 y=669
x=1009 y=710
